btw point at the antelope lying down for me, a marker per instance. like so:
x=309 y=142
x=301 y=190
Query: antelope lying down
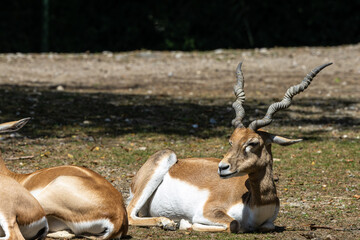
x=76 y=200
x=235 y=194
x=21 y=216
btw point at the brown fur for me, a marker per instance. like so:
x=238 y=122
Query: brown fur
x=98 y=198
x=14 y=231
x=70 y=193
x=224 y=193
x=147 y=170
x=137 y=187
x=257 y=164
x=18 y=206
x=255 y=188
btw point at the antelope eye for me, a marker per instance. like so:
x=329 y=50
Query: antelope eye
x=250 y=146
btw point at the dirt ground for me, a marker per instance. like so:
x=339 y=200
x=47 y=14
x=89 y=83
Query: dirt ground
x=143 y=101
x=184 y=74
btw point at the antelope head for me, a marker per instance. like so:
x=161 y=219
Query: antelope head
x=251 y=147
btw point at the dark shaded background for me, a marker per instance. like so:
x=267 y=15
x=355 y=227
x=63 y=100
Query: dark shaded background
x=89 y=25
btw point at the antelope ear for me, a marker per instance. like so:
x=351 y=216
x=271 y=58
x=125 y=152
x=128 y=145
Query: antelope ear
x=13 y=126
x=282 y=141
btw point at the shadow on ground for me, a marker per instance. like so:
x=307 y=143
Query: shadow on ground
x=117 y=114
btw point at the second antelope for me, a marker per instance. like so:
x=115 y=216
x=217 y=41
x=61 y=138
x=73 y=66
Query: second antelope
x=76 y=200
x=21 y=216
x=235 y=194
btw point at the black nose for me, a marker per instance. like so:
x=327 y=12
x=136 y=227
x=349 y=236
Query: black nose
x=223 y=167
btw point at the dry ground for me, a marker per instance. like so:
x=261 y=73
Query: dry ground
x=111 y=111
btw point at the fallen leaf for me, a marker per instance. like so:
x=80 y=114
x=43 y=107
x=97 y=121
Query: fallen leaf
x=70 y=155
x=94 y=149
x=357 y=196
x=45 y=154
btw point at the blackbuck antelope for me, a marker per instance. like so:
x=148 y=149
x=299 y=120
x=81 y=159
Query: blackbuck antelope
x=21 y=216
x=76 y=200
x=235 y=194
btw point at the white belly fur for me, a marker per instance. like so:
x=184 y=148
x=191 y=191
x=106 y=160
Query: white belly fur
x=4 y=227
x=31 y=230
x=251 y=218
x=178 y=200
x=96 y=227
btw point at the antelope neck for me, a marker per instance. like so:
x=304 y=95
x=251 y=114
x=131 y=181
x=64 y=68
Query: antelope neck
x=5 y=171
x=262 y=187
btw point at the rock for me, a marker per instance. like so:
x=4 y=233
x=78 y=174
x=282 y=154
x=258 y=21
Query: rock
x=60 y=88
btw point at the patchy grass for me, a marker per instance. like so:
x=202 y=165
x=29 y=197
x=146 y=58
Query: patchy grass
x=318 y=177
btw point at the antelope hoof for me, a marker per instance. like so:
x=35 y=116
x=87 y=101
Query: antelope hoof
x=168 y=224
x=267 y=227
x=185 y=225
x=235 y=226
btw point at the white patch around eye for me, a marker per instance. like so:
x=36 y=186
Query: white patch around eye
x=248 y=149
